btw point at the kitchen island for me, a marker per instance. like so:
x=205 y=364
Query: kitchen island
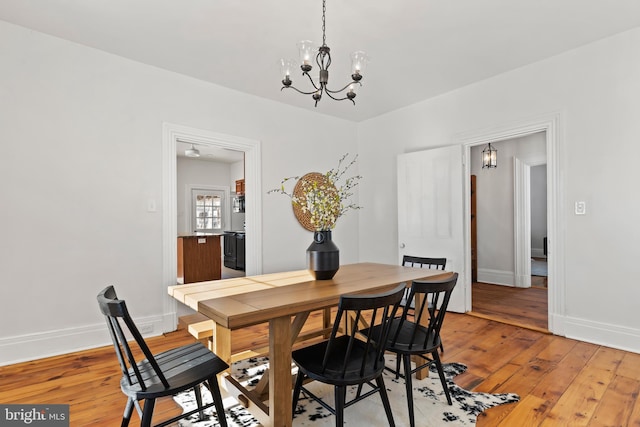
x=199 y=258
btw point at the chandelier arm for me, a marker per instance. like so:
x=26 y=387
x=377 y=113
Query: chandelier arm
x=298 y=90
x=340 y=90
x=312 y=83
x=338 y=99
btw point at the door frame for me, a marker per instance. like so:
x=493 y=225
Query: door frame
x=550 y=124
x=171 y=133
x=522 y=217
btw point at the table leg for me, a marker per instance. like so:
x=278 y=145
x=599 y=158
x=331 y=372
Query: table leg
x=280 y=412
x=296 y=327
x=222 y=343
x=326 y=321
x=297 y=324
x=422 y=373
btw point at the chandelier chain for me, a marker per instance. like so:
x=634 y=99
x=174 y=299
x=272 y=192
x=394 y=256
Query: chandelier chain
x=324 y=9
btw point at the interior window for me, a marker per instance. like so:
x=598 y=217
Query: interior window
x=207 y=210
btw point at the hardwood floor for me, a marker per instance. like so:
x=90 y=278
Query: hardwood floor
x=526 y=307
x=230 y=273
x=561 y=382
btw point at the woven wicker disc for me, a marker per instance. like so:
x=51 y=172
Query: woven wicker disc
x=304 y=218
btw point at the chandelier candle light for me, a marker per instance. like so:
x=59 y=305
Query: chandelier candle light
x=359 y=60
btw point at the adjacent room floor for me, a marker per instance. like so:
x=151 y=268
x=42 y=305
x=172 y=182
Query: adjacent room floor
x=525 y=307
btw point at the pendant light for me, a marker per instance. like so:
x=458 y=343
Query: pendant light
x=489 y=157
x=192 y=152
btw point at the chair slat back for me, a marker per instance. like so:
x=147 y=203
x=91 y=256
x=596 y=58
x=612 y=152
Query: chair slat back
x=424 y=262
x=120 y=322
x=433 y=307
x=362 y=312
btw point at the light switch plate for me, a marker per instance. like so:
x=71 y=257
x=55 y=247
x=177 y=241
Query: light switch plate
x=581 y=208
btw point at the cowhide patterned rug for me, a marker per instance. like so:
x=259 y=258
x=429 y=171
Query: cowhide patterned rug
x=430 y=402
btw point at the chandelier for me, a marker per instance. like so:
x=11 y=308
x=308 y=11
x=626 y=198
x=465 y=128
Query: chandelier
x=323 y=58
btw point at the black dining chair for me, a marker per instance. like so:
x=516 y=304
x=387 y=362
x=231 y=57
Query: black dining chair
x=347 y=358
x=412 y=338
x=421 y=262
x=160 y=375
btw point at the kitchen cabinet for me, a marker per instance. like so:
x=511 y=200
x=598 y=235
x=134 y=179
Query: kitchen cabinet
x=240 y=186
x=199 y=258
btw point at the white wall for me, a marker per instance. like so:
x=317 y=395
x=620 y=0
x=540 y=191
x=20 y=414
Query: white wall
x=81 y=160
x=596 y=90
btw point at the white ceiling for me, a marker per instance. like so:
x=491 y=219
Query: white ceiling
x=210 y=153
x=418 y=48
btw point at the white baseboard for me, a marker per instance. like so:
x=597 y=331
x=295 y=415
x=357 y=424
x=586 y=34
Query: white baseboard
x=39 y=345
x=496 y=277
x=538 y=253
x=53 y=343
x=608 y=335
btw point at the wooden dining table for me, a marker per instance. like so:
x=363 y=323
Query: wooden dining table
x=284 y=301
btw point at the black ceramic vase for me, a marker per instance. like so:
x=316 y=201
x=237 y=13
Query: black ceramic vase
x=323 y=256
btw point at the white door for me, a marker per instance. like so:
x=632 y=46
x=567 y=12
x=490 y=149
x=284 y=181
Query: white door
x=430 y=211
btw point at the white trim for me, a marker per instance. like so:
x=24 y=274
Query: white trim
x=538 y=253
x=495 y=277
x=253 y=199
x=466 y=228
x=522 y=222
x=522 y=218
x=614 y=336
x=39 y=345
x=550 y=124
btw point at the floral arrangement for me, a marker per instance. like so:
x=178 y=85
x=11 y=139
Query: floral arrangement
x=319 y=198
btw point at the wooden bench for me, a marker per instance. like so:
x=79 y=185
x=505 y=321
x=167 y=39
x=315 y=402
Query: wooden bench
x=199 y=326
x=249 y=342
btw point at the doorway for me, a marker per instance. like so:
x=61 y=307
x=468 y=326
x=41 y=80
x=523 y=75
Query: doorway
x=252 y=155
x=207 y=198
x=507 y=212
x=549 y=125
x=507 y=203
